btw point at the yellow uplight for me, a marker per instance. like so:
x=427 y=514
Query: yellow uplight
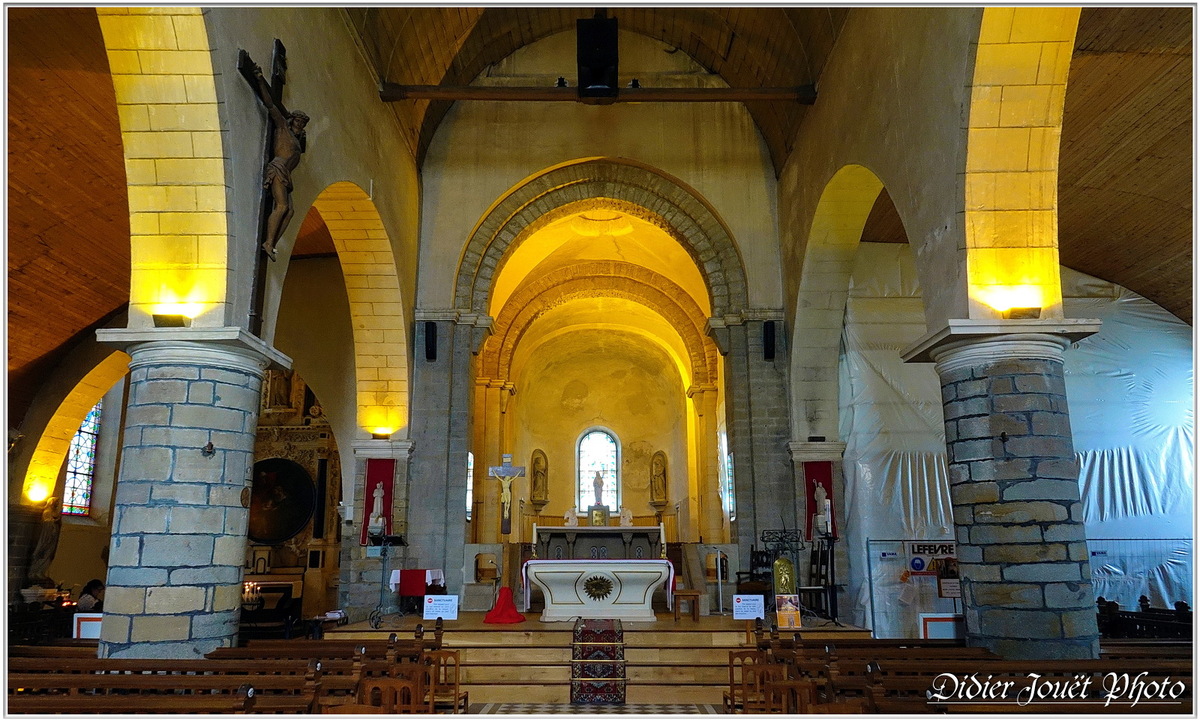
x=382 y=431
x=1003 y=298
x=37 y=490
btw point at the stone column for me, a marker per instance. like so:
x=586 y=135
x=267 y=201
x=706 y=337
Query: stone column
x=1026 y=580
x=362 y=577
x=183 y=492
x=442 y=396
x=712 y=516
x=756 y=414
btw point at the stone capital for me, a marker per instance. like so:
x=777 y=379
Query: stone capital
x=399 y=449
x=966 y=342
x=227 y=347
x=803 y=451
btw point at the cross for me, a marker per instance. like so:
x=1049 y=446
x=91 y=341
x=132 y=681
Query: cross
x=506 y=473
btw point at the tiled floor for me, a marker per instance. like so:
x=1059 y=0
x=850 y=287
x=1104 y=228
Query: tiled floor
x=640 y=709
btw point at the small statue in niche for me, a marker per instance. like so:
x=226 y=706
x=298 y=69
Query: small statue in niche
x=538 y=483
x=658 y=477
x=571 y=518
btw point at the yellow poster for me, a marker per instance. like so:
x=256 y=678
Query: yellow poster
x=787 y=611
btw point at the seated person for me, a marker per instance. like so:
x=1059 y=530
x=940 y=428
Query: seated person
x=91 y=599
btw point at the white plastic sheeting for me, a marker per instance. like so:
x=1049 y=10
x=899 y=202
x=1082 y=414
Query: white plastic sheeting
x=1129 y=391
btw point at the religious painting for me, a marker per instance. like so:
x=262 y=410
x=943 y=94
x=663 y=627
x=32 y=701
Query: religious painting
x=282 y=499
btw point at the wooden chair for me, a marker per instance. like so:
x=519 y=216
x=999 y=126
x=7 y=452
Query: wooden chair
x=738 y=659
x=692 y=597
x=758 y=693
x=393 y=695
x=444 y=690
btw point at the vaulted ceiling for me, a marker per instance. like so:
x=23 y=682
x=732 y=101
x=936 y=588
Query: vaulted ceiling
x=1125 y=188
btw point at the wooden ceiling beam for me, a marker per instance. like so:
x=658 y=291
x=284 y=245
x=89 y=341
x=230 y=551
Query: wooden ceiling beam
x=391 y=92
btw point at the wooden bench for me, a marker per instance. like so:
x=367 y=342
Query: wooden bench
x=240 y=702
x=288 y=694
x=692 y=597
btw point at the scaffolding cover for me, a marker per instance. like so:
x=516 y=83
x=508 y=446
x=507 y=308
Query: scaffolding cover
x=1129 y=391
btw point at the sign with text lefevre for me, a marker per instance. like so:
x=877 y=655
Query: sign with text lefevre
x=930 y=557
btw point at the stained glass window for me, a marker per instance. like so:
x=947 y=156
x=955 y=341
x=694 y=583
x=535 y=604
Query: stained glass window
x=727 y=476
x=470 y=483
x=81 y=466
x=598 y=454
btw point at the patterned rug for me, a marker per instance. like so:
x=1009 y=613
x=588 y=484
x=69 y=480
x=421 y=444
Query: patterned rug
x=642 y=709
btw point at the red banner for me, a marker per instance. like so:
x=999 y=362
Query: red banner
x=380 y=473
x=818 y=505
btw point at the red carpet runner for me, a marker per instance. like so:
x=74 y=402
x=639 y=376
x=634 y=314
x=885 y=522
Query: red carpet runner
x=598 y=662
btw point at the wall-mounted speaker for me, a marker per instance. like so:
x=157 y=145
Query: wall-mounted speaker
x=768 y=340
x=430 y=341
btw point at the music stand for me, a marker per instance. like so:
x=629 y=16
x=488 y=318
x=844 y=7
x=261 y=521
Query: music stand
x=384 y=541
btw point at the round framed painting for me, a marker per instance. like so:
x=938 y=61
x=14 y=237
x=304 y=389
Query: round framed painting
x=282 y=500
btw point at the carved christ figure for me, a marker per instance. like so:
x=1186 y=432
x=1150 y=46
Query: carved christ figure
x=286 y=147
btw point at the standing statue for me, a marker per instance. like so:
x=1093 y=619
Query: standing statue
x=376 y=516
x=658 y=477
x=287 y=145
x=626 y=516
x=47 y=543
x=538 y=488
x=598 y=488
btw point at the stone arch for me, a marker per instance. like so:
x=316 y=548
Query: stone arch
x=41 y=476
x=162 y=73
x=1011 y=182
x=649 y=194
x=608 y=278
x=833 y=238
x=381 y=357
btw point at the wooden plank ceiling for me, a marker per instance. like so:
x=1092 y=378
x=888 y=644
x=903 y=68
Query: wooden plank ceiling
x=68 y=218
x=1126 y=167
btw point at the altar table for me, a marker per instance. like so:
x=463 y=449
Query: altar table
x=598 y=588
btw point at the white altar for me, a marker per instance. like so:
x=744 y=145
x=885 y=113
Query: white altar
x=598 y=588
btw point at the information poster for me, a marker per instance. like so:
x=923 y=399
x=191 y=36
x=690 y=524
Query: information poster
x=443 y=605
x=787 y=611
x=749 y=606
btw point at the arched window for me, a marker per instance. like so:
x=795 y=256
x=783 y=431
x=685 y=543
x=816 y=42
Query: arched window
x=598 y=453
x=81 y=465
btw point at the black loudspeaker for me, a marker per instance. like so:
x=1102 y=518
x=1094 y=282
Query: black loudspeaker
x=596 y=54
x=430 y=341
x=768 y=340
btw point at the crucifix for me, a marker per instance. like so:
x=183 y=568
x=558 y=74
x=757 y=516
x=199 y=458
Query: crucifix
x=506 y=473
x=285 y=142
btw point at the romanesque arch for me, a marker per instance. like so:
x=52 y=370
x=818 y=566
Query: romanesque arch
x=650 y=195
x=376 y=306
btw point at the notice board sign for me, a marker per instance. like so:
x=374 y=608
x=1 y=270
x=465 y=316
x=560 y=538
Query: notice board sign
x=441 y=605
x=749 y=606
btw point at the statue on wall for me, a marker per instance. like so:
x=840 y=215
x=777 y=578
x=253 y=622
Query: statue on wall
x=571 y=518
x=626 y=516
x=47 y=543
x=658 y=477
x=287 y=144
x=538 y=489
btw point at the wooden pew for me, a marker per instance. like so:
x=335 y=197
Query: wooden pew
x=289 y=694
x=240 y=702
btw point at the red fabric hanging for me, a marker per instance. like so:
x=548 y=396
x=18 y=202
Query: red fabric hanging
x=504 y=612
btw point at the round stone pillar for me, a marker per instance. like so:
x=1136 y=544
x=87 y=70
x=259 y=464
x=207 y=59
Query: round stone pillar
x=182 y=499
x=1014 y=486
